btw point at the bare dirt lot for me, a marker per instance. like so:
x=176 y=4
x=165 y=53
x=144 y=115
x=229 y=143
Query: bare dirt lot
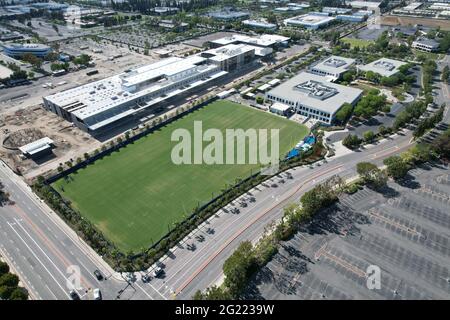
x=405 y=21
x=27 y=125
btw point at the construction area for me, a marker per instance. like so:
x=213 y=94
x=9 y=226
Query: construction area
x=25 y=126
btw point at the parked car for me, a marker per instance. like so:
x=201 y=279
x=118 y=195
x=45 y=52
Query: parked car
x=98 y=275
x=157 y=272
x=74 y=295
x=97 y=294
x=145 y=278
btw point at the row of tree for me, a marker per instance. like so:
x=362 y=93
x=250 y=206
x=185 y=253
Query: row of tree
x=9 y=285
x=248 y=259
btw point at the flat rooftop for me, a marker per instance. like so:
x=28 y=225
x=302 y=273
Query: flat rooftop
x=313 y=20
x=36 y=146
x=27 y=46
x=334 y=64
x=259 y=24
x=384 y=66
x=228 y=51
x=314 y=91
x=264 y=40
x=428 y=42
x=97 y=97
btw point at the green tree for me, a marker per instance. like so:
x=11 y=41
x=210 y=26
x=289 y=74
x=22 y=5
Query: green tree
x=238 y=268
x=9 y=280
x=344 y=112
x=369 y=136
x=213 y=293
x=351 y=141
x=4 y=268
x=396 y=167
x=5 y=292
x=371 y=174
x=19 y=294
x=445 y=76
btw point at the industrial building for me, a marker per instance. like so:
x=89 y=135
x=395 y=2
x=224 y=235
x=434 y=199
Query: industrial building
x=311 y=21
x=37 y=148
x=263 y=41
x=425 y=44
x=384 y=67
x=230 y=57
x=17 y=50
x=333 y=67
x=351 y=18
x=335 y=10
x=96 y=106
x=263 y=44
x=229 y=15
x=312 y=96
x=292 y=7
x=372 y=5
x=260 y=24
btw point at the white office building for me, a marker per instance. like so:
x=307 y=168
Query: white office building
x=425 y=44
x=312 y=96
x=384 y=67
x=333 y=67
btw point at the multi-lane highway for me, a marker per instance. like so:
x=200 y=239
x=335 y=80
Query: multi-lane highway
x=41 y=247
x=44 y=251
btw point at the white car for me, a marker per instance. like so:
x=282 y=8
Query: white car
x=156 y=272
x=97 y=294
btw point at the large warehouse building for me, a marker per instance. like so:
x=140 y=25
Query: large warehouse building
x=312 y=96
x=263 y=44
x=312 y=21
x=17 y=50
x=95 y=106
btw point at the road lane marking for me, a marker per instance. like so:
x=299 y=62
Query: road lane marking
x=237 y=234
x=39 y=260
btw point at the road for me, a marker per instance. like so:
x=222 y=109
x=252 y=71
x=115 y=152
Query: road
x=40 y=246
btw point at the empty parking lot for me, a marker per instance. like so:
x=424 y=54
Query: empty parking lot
x=405 y=231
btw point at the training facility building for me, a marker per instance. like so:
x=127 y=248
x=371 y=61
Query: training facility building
x=312 y=96
x=312 y=21
x=384 y=67
x=333 y=67
x=96 y=106
x=17 y=50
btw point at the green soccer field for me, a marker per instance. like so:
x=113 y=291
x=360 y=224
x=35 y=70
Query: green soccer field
x=134 y=194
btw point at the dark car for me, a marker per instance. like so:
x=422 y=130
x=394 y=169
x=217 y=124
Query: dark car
x=98 y=275
x=74 y=295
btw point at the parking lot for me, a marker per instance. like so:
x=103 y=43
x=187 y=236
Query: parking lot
x=142 y=36
x=405 y=231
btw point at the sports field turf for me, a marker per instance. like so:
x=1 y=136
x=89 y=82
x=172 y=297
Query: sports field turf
x=362 y=43
x=134 y=194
